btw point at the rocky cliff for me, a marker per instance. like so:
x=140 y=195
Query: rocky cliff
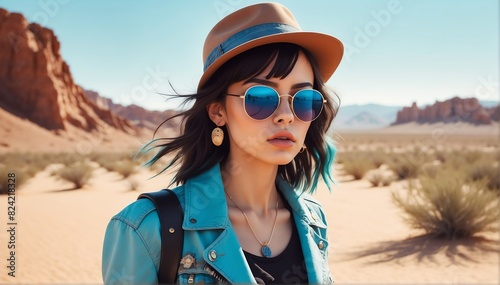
x=453 y=110
x=36 y=83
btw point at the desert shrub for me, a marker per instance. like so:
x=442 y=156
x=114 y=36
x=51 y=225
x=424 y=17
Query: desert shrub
x=108 y=165
x=448 y=206
x=125 y=168
x=471 y=156
x=23 y=165
x=441 y=155
x=20 y=179
x=121 y=162
x=379 y=158
x=485 y=170
x=357 y=165
x=79 y=174
x=379 y=177
x=407 y=165
x=430 y=169
x=112 y=156
x=68 y=159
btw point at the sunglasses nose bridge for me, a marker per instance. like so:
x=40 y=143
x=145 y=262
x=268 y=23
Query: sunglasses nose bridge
x=289 y=99
x=289 y=106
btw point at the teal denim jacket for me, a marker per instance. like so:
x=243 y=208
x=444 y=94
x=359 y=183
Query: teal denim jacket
x=131 y=251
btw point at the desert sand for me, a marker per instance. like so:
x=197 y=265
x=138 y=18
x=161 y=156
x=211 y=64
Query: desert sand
x=60 y=232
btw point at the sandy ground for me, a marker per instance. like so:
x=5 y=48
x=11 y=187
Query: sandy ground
x=60 y=232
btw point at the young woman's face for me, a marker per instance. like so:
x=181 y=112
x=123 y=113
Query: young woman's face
x=277 y=139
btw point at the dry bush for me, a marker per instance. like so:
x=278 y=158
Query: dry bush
x=485 y=170
x=472 y=156
x=430 y=169
x=123 y=163
x=448 y=206
x=380 y=177
x=108 y=165
x=20 y=178
x=357 y=165
x=79 y=174
x=441 y=155
x=23 y=165
x=407 y=165
x=68 y=159
x=379 y=158
x=125 y=168
x=112 y=156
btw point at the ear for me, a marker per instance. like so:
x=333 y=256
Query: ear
x=216 y=113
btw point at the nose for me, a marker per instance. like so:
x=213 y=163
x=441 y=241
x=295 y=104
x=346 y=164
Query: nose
x=284 y=113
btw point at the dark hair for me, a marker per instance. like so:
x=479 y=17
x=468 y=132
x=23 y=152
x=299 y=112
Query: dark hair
x=194 y=149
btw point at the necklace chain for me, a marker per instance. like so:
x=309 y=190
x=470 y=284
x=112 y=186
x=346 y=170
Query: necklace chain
x=264 y=244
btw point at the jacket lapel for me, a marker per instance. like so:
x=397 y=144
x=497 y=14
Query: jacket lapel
x=305 y=221
x=226 y=257
x=205 y=209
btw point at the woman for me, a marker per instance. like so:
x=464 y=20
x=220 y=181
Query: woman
x=253 y=143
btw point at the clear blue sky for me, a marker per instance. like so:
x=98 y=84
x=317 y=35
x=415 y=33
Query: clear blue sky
x=397 y=51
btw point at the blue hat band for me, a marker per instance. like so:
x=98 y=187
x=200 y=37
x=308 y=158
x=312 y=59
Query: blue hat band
x=247 y=35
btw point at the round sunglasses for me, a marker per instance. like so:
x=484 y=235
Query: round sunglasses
x=260 y=102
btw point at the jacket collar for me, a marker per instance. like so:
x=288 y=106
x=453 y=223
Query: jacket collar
x=205 y=209
x=205 y=200
x=298 y=204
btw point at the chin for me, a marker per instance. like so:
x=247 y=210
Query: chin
x=281 y=159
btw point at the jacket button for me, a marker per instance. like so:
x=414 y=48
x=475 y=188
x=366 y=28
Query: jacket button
x=212 y=255
x=193 y=220
x=321 y=244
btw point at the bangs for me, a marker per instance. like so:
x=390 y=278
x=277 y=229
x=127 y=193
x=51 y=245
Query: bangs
x=284 y=61
x=249 y=64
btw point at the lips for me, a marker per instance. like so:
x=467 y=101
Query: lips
x=283 y=136
x=282 y=140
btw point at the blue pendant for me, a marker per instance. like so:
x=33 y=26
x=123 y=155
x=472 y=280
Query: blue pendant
x=266 y=251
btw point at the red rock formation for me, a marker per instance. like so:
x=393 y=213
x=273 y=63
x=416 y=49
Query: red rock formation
x=453 y=110
x=495 y=113
x=36 y=83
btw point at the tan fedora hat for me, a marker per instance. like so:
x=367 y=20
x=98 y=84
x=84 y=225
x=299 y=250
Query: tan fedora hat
x=262 y=24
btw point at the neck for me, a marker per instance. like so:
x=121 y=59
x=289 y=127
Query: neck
x=251 y=186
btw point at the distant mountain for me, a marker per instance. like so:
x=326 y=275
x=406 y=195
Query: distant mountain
x=452 y=110
x=367 y=116
x=366 y=120
x=139 y=116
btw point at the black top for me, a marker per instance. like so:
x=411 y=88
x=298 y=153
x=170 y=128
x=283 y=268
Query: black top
x=286 y=268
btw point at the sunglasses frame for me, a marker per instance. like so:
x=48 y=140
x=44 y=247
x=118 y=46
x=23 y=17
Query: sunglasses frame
x=279 y=102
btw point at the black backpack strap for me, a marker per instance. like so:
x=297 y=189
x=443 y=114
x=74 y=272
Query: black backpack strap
x=172 y=235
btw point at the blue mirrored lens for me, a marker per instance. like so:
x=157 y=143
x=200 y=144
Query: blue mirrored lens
x=261 y=102
x=307 y=104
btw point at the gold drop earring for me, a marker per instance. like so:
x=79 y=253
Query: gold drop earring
x=217 y=136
